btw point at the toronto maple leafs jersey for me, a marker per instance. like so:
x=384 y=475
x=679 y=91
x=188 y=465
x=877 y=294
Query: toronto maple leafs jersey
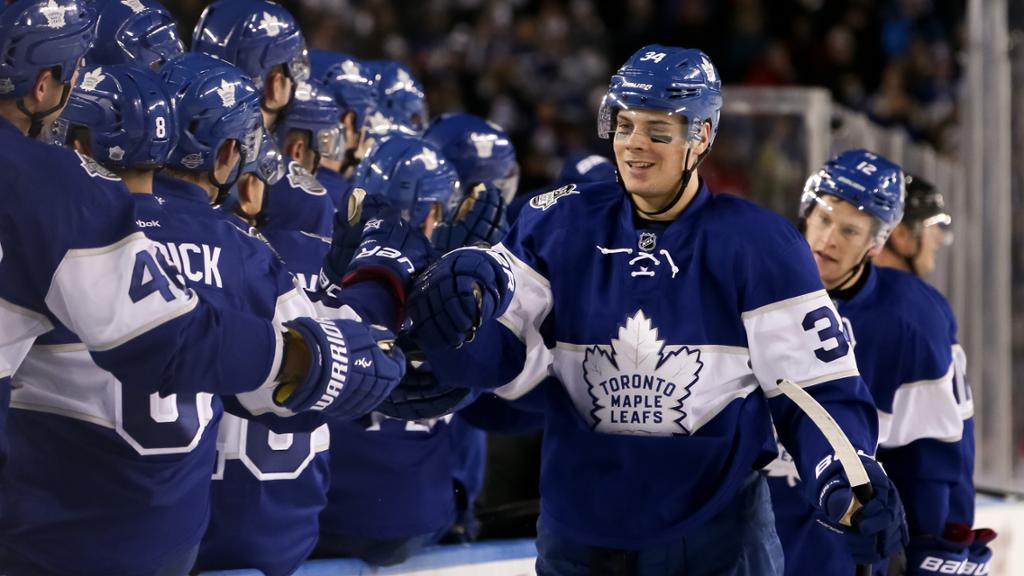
x=668 y=341
x=903 y=335
x=71 y=253
x=270 y=486
x=298 y=202
x=70 y=418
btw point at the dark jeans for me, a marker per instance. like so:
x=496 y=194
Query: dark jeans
x=739 y=541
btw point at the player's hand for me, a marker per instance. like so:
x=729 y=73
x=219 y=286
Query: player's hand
x=978 y=553
x=420 y=395
x=346 y=237
x=873 y=531
x=480 y=220
x=352 y=367
x=456 y=295
x=928 y=555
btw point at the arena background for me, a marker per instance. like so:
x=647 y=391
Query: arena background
x=928 y=83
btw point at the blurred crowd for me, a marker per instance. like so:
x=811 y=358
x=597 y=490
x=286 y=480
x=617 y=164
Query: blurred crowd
x=539 y=67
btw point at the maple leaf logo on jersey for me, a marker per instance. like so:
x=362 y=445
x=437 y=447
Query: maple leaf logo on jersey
x=55 y=14
x=226 y=93
x=134 y=5
x=271 y=24
x=92 y=79
x=637 y=385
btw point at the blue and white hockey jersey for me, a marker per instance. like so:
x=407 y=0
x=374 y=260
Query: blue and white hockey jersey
x=269 y=487
x=903 y=335
x=668 y=340
x=298 y=202
x=72 y=254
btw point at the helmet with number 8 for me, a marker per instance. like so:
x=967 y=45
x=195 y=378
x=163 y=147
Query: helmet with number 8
x=134 y=31
x=411 y=173
x=254 y=35
x=130 y=117
x=480 y=150
x=870 y=182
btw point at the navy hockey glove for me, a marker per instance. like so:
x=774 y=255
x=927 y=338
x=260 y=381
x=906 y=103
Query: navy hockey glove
x=346 y=237
x=456 y=295
x=421 y=396
x=878 y=528
x=978 y=553
x=480 y=220
x=932 y=555
x=352 y=367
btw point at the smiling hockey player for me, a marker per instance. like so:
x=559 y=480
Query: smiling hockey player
x=668 y=314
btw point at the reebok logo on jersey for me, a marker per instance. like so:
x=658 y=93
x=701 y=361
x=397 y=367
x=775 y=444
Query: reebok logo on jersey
x=638 y=386
x=548 y=199
x=147 y=223
x=339 y=364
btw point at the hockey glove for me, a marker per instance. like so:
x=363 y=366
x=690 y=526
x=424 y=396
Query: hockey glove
x=878 y=528
x=352 y=368
x=979 y=554
x=480 y=220
x=456 y=295
x=421 y=396
x=931 y=555
x=346 y=237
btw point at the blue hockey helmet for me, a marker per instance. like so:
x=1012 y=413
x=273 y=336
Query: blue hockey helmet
x=215 y=103
x=134 y=31
x=352 y=85
x=313 y=109
x=411 y=173
x=581 y=168
x=254 y=35
x=872 y=183
x=400 y=106
x=131 y=118
x=268 y=164
x=37 y=35
x=480 y=150
x=678 y=81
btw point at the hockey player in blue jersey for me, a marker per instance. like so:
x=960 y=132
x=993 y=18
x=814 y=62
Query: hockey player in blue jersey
x=899 y=329
x=141 y=32
x=409 y=460
x=668 y=318
x=351 y=83
x=913 y=247
x=65 y=221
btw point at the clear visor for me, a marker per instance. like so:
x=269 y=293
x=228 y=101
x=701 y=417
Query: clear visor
x=812 y=197
x=299 y=68
x=508 y=185
x=330 y=143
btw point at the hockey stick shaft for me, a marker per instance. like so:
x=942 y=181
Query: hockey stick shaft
x=860 y=484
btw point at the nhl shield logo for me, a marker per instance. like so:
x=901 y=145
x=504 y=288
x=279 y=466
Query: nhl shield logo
x=648 y=241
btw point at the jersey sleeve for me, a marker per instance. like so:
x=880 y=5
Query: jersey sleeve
x=794 y=332
x=509 y=354
x=921 y=430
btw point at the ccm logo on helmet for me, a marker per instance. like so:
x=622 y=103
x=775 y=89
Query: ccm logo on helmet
x=339 y=364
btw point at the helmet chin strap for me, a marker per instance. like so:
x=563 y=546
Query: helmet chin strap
x=851 y=276
x=36 y=118
x=684 y=181
x=224 y=188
